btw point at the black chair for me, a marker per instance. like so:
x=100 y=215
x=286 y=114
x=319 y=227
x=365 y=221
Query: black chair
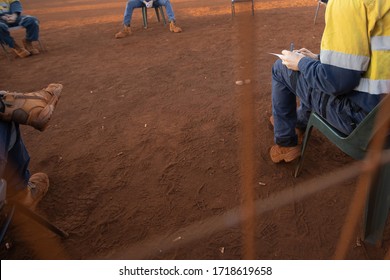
x=158 y=9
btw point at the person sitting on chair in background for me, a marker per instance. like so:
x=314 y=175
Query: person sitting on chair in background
x=34 y=109
x=132 y=4
x=342 y=84
x=11 y=16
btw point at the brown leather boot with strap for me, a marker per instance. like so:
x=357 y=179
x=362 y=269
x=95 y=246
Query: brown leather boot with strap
x=126 y=31
x=20 y=52
x=29 y=47
x=174 y=28
x=33 y=108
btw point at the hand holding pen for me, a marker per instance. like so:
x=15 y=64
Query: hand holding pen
x=291 y=58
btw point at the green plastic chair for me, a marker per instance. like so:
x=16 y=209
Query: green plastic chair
x=377 y=208
x=355 y=145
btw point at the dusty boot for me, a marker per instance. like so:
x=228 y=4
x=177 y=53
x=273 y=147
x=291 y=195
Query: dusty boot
x=287 y=154
x=29 y=47
x=174 y=28
x=37 y=187
x=19 y=51
x=126 y=31
x=34 y=108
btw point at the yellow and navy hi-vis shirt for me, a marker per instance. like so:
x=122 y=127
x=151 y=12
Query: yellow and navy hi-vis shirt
x=10 y=6
x=359 y=40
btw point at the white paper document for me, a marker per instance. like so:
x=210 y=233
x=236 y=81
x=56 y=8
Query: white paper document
x=277 y=54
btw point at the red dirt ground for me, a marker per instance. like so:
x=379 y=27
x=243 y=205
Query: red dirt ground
x=146 y=139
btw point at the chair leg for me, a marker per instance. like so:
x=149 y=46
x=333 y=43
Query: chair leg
x=303 y=150
x=41 y=46
x=145 y=16
x=157 y=13
x=377 y=208
x=162 y=15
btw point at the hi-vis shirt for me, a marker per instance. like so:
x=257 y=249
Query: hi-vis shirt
x=355 y=52
x=10 y=7
x=359 y=40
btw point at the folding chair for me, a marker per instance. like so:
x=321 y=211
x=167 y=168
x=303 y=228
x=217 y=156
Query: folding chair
x=355 y=145
x=14 y=29
x=8 y=208
x=159 y=10
x=240 y=1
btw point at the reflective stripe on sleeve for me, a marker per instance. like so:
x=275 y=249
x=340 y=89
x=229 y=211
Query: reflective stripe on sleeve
x=373 y=86
x=347 y=61
x=380 y=43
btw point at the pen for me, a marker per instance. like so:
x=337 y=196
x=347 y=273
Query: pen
x=291 y=46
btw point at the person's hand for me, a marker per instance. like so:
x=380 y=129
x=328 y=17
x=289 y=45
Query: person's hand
x=291 y=59
x=10 y=18
x=308 y=53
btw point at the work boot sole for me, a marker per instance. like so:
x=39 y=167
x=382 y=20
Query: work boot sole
x=42 y=121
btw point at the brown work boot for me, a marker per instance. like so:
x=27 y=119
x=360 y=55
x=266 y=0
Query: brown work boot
x=37 y=187
x=34 y=108
x=126 y=31
x=20 y=52
x=287 y=154
x=174 y=28
x=29 y=47
x=299 y=132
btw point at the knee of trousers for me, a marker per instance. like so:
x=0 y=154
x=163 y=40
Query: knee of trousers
x=277 y=67
x=29 y=21
x=162 y=2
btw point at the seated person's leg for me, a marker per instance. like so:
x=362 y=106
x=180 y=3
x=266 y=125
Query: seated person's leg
x=33 y=108
x=126 y=30
x=284 y=110
x=14 y=157
x=26 y=189
x=32 y=32
x=303 y=115
x=6 y=38
x=171 y=16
